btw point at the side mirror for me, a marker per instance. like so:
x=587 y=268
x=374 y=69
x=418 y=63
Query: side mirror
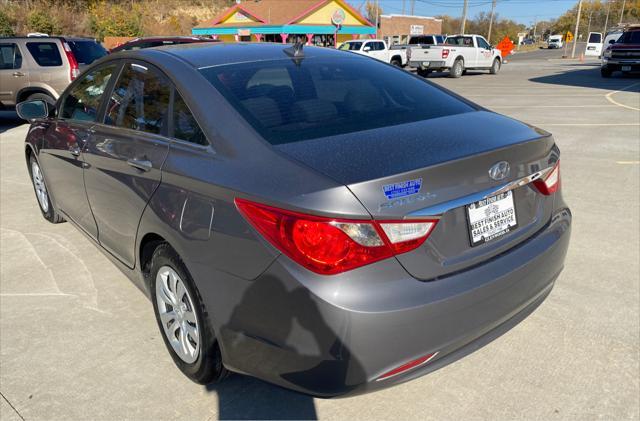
x=366 y=49
x=612 y=41
x=31 y=110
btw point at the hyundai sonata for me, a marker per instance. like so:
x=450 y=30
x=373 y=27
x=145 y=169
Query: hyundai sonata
x=311 y=217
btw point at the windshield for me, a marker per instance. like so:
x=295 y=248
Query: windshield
x=350 y=46
x=286 y=102
x=629 y=37
x=86 y=52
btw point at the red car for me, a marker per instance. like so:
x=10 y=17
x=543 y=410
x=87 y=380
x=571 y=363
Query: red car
x=148 y=42
x=624 y=54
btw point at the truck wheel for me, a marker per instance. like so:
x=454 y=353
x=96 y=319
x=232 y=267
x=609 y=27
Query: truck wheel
x=424 y=72
x=495 y=67
x=457 y=69
x=604 y=72
x=396 y=62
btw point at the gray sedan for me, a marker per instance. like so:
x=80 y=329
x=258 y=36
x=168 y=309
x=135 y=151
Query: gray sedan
x=311 y=217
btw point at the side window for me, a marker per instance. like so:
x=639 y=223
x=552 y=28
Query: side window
x=185 y=126
x=468 y=41
x=140 y=100
x=83 y=101
x=10 y=57
x=46 y=54
x=483 y=44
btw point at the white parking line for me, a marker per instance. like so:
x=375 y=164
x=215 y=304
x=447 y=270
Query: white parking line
x=613 y=101
x=553 y=106
x=628 y=162
x=588 y=124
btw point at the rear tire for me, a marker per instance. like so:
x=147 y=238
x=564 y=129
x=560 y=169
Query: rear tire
x=198 y=355
x=457 y=69
x=43 y=97
x=396 y=62
x=424 y=72
x=495 y=67
x=604 y=72
x=42 y=193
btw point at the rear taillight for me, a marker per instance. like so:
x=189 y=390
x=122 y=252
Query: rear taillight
x=327 y=245
x=445 y=52
x=550 y=183
x=74 y=69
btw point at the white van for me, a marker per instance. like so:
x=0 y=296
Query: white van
x=594 y=44
x=555 y=41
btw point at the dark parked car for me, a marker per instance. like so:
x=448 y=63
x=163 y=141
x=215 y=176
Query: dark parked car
x=316 y=219
x=148 y=42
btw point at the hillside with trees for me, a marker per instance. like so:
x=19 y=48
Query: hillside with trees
x=101 y=18
x=593 y=16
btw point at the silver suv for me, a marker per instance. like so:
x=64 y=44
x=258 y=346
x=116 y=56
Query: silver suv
x=42 y=67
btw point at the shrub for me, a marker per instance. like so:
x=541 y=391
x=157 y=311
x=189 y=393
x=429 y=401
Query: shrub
x=39 y=21
x=6 y=25
x=115 y=20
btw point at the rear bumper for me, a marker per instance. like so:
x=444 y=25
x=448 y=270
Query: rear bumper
x=436 y=64
x=330 y=336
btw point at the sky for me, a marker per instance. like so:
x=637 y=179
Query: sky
x=521 y=11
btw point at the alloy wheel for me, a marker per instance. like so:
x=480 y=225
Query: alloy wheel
x=177 y=314
x=40 y=187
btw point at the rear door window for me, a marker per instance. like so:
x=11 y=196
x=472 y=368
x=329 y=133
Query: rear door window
x=140 y=100
x=326 y=97
x=46 y=54
x=10 y=57
x=83 y=101
x=86 y=52
x=461 y=41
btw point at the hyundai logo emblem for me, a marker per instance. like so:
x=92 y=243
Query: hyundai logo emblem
x=500 y=170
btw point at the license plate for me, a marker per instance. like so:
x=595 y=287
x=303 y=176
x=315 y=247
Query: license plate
x=491 y=218
x=626 y=68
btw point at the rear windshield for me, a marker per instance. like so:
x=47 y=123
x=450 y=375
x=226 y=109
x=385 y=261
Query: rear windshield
x=630 y=37
x=46 y=54
x=595 y=38
x=321 y=97
x=426 y=40
x=86 y=52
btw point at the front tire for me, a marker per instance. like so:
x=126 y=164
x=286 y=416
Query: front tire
x=495 y=67
x=457 y=69
x=396 y=62
x=183 y=319
x=42 y=193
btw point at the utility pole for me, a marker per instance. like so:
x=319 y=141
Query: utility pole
x=606 y=20
x=535 y=27
x=464 y=17
x=575 y=34
x=413 y=7
x=493 y=9
x=377 y=6
x=404 y=3
x=589 y=26
x=621 y=13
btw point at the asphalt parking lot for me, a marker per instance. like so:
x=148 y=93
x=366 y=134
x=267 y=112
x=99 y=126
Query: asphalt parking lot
x=78 y=341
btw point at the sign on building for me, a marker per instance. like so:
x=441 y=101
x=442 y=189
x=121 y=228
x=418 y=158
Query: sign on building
x=416 y=30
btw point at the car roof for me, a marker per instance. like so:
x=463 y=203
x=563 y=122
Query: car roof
x=201 y=55
x=165 y=37
x=54 y=37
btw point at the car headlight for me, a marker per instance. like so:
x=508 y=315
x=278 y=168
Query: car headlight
x=607 y=53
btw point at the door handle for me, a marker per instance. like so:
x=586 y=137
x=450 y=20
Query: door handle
x=18 y=74
x=140 y=164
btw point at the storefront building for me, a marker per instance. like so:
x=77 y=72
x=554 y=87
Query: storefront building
x=396 y=29
x=316 y=22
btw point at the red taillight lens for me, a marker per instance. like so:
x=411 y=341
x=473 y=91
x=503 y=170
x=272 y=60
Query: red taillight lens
x=551 y=181
x=329 y=246
x=74 y=71
x=408 y=366
x=445 y=52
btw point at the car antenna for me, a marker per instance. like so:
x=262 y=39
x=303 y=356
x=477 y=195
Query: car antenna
x=296 y=52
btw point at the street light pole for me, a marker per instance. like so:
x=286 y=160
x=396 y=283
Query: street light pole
x=606 y=20
x=575 y=34
x=621 y=13
x=464 y=17
x=493 y=8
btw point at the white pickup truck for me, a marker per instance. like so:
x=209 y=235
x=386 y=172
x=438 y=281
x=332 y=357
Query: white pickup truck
x=378 y=49
x=458 y=54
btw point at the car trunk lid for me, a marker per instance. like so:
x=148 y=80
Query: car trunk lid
x=434 y=168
